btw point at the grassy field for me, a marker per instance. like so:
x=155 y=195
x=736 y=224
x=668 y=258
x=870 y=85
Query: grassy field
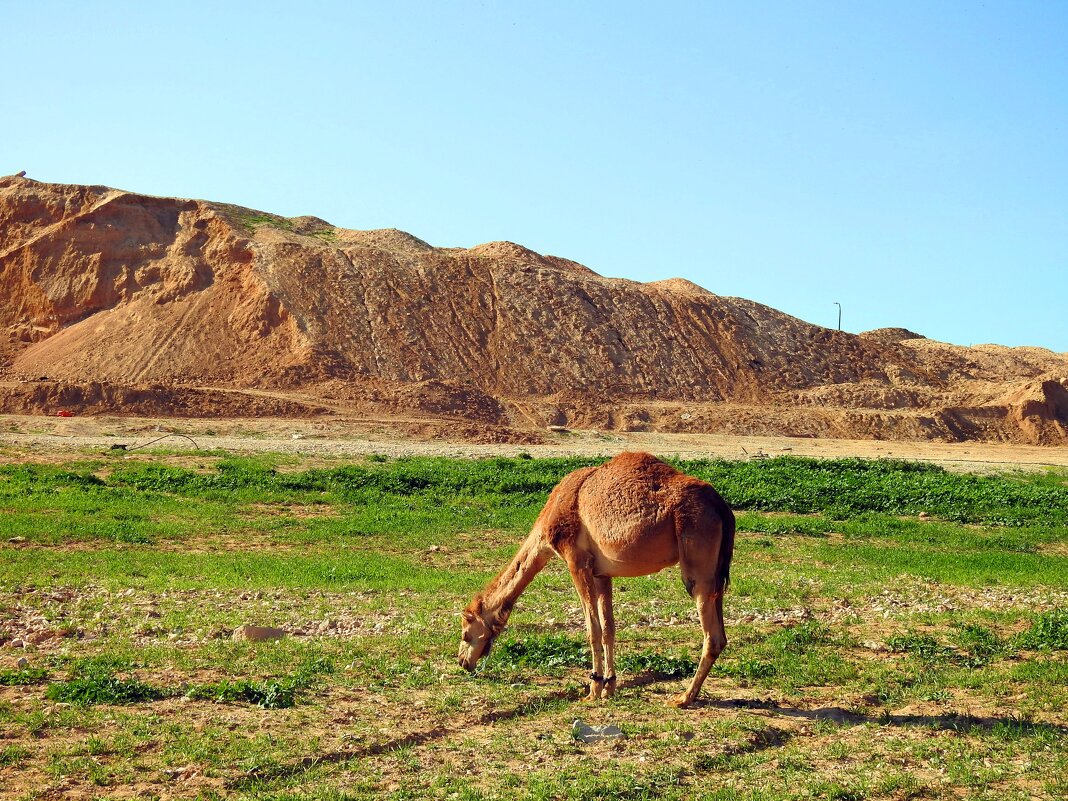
x=895 y=631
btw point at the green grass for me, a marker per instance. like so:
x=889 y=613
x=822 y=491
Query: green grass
x=872 y=653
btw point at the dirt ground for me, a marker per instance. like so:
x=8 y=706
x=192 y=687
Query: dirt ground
x=341 y=438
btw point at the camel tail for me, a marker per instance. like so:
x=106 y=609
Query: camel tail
x=726 y=552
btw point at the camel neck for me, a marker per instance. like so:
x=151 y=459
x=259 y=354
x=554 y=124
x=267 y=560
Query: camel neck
x=502 y=592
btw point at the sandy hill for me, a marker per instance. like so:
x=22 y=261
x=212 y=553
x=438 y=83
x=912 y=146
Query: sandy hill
x=122 y=302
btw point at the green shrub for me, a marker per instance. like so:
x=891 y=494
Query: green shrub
x=269 y=694
x=800 y=638
x=103 y=690
x=924 y=646
x=663 y=665
x=1048 y=632
x=544 y=651
x=980 y=644
x=22 y=676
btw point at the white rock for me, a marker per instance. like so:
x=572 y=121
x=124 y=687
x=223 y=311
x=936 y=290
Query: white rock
x=595 y=734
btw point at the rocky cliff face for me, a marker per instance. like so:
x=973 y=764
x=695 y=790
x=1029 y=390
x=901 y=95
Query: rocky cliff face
x=106 y=286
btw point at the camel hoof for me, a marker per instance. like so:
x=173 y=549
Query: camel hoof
x=680 y=701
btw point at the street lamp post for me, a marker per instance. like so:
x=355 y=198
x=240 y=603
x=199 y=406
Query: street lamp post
x=839 y=305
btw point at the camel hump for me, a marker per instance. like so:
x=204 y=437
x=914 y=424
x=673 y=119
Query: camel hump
x=639 y=468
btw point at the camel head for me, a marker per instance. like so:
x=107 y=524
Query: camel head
x=480 y=628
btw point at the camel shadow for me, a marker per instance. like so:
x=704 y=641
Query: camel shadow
x=949 y=721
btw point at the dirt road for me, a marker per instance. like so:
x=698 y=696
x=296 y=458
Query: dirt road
x=338 y=438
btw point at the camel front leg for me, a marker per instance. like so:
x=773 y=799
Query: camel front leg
x=586 y=584
x=608 y=633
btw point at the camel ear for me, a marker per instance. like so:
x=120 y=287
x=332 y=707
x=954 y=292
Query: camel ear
x=468 y=616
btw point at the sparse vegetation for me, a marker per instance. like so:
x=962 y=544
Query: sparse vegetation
x=873 y=653
x=250 y=220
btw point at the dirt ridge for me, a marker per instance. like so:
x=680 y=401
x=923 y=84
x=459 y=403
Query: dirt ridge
x=118 y=289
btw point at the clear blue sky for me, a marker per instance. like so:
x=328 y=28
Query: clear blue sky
x=907 y=159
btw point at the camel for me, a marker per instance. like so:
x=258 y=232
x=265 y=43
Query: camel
x=632 y=516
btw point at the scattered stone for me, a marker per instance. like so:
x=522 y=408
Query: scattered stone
x=257 y=633
x=595 y=734
x=22 y=663
x=18 y=643
x=557 y=429
x=181 y=774
x=16 y=540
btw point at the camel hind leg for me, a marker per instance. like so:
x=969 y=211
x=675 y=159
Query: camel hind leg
x=699 y=558
x=710 y=611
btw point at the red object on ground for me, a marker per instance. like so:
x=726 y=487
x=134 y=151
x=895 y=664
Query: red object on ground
x=64 y=413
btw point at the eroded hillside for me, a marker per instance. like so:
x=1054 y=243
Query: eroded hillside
x=110 y=295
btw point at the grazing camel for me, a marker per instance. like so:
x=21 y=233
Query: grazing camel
x=632 y=516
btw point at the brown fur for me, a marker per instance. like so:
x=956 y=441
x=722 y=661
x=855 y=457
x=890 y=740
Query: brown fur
x=632 y=516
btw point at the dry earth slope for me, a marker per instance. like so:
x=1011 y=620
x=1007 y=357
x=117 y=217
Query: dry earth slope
x=128 y=303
